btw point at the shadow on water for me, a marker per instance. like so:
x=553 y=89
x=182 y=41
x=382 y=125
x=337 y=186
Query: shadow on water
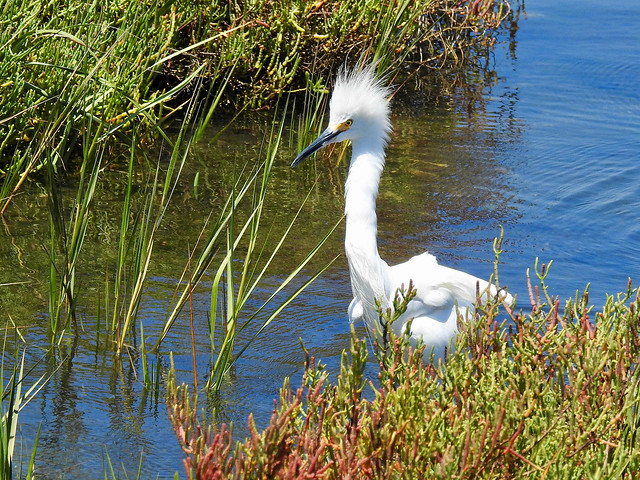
x=541 y=138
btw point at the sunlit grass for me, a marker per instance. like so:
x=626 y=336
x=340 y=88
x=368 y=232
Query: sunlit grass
x=68 y=68
x=237 y=236
x=14 y=399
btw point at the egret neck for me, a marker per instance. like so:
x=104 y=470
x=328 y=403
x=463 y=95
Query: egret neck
x=367 y=269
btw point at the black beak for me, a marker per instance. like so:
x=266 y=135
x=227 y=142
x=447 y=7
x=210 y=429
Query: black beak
x=316 y=145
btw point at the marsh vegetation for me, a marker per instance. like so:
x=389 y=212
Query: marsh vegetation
x=103 y=111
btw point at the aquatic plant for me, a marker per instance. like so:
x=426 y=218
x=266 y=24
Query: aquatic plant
x=84 y=86
x=76 y=71
x=137 y=239
x=232 y=237
x=80 y=84
x=110 y=473
x=13 y=401
x=553 y=393
x=68 y=232
x=128 y=66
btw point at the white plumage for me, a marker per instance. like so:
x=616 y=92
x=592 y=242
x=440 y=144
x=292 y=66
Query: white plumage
x=359 y=111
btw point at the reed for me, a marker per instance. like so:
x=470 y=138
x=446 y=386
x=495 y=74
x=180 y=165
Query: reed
x=151 y=375
x=230 y=238
x=141 y=241
x=139 y=223
x=67 y=237
x=76 y=73
x=79 y=82
x=311 y=121
x=111 y=473
x=13 y=401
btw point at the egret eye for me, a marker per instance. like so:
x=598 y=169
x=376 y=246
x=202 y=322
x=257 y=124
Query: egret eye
x=344 y=125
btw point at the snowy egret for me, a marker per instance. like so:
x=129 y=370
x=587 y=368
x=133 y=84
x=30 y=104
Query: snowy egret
x=359 y=111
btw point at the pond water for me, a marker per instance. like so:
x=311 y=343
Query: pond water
x=544 y=141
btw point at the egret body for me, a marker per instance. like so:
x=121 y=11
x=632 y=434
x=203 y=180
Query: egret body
x=359 y=111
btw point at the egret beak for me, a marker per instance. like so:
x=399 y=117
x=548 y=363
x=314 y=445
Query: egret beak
x=324 y=138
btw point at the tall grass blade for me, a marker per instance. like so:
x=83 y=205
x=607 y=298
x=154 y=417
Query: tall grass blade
x=15 y=402
x=209 y=251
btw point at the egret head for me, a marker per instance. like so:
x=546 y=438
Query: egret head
x=358 y=111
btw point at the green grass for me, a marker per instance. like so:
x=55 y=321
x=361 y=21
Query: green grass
x=234 y=236
x=72 y=70
x=13 y=401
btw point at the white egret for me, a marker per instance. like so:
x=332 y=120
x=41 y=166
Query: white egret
x=359 y=111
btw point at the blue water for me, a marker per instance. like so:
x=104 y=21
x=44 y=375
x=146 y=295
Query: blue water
x=552 y=156
x=575 y=165
x=549 y=150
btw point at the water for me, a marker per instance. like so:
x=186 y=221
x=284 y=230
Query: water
x=576 y=162
x=546 y=145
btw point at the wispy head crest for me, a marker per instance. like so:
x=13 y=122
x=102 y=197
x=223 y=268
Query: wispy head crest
x=360 y=92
